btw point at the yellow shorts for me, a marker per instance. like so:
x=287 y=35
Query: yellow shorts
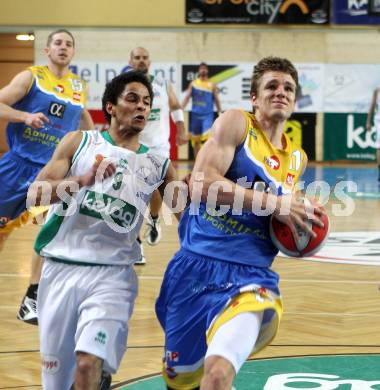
x=199 y=139
x=261 y=300
x=23 y=219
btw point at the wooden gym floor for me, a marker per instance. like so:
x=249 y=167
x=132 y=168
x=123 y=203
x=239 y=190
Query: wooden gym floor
x=329 y=308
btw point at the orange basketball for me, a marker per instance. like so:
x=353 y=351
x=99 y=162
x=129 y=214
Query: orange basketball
x=284 y=240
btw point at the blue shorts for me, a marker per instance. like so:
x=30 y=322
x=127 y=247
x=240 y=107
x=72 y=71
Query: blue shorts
x=194 y=291
x=16 y=175
x=201 y=124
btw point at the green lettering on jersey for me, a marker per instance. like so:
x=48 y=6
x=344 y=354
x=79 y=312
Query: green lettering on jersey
x=155 y=115
x=103 y=206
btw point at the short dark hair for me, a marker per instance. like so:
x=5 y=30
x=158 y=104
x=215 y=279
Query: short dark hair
x=203 y=64
x=274 y=64
x=61 y=30
x=116 y=87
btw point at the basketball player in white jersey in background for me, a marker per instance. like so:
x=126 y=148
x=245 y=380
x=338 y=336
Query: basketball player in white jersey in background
x=88 y=285
x=374 y=112
x=156 y=134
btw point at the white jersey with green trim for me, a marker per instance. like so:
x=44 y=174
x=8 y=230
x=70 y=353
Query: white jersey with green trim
x=100 y=223
x=156 y=133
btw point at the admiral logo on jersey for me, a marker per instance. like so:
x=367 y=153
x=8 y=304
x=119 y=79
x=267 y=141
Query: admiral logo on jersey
x=57 y=109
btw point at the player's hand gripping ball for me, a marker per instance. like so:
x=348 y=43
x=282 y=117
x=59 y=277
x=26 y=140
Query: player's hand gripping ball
x=306 y=245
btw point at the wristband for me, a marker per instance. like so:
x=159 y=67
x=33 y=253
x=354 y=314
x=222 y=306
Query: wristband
x=177 y=115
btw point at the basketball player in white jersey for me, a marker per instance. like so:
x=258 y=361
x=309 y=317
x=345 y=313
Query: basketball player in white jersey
x=374 y=112
x=100 y=184
x=156 y=134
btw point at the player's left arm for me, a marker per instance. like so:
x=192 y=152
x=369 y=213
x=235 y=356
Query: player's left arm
x=216 y=98
x=174 y=192
x=86 y=122
x=177 y=115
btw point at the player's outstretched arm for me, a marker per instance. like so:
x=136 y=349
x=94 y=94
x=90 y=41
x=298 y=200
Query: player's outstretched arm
x=217 y=98
x=187 y=96
x=174 y=192
x=177 y=115
x=11 y=94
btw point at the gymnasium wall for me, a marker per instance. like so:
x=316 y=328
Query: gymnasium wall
x=108 y=31
x=301 y=45
x=89 y=13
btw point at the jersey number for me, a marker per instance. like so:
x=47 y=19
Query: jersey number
x=295 y=161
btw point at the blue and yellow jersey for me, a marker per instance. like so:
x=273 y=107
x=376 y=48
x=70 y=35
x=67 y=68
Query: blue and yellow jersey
x=202 y=97
x=242 y=236
x=61 y=100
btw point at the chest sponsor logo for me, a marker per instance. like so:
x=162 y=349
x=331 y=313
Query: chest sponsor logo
x=273 y=162
x=103 y=206
x=60 y=88
x=57 y=109
x=155 y=115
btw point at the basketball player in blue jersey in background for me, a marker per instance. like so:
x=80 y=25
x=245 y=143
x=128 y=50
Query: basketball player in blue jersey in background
x=219 y=300
x=41 y=104
x=203 y=94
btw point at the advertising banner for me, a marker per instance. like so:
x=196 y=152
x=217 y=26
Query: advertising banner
x=356 y=12
x=97 y=74
x=234 y=82
x=258 y=11
x=232 y=79
x=349 y=87
x=345 y=138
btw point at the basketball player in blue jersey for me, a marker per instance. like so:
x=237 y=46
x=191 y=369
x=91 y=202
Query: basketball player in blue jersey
x=203 y=94
x=219 y=300
x=41 y=104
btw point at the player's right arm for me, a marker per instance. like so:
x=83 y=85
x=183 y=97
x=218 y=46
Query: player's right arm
x=214 y=159
x=187 y=96
x=14 y=92
x=208 y=183
x=52 y=181
x=372 y=109
x=216 y=98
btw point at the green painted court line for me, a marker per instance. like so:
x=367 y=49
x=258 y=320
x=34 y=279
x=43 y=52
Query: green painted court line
x=338 y=372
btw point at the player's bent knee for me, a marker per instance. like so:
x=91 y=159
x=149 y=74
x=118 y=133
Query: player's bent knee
x=218 y=372
x=88 y=364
